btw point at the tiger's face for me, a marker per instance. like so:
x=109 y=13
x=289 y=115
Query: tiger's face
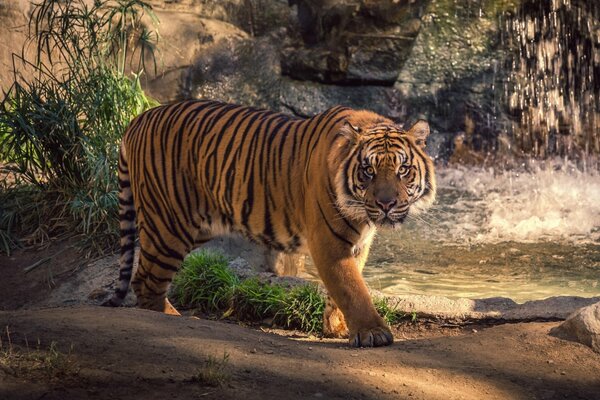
x=387 y=174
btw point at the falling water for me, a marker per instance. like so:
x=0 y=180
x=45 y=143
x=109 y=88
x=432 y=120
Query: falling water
x=553 y=87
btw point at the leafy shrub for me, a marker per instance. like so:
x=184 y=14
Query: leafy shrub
x=60 y=127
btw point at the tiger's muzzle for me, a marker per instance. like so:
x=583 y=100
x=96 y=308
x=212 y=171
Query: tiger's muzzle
x=389 y=216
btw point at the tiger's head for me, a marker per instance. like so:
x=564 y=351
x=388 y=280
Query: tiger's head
x=385 y=173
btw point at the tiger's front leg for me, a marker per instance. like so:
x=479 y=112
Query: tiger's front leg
x=340 y=273
x=334 y=323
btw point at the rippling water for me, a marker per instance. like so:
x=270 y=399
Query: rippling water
x=526 y=235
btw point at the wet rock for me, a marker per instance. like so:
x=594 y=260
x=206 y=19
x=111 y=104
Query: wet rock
x=242 y=71
x=352 y=42
x=583 y=326
x=310 y=98
x=453 y=74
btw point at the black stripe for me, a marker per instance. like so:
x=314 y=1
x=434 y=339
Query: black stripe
x=125 y=274
x=127 y=248
x=322 y=132
x=337 y=235
x=332 y=198
x=154 y=278
x=127 y=201
x=156 y=261
x=128 y=215
x=154 y=292
x=127 y=232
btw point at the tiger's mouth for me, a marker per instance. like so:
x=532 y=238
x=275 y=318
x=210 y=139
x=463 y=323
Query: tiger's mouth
x=390 y=220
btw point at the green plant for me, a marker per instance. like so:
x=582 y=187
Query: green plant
x=214 y=371
x=205 y=281
x=61 y=125
x=414 y=317
x=386 y=310
x=255 y=300
x=386 y=307
x=303 y=308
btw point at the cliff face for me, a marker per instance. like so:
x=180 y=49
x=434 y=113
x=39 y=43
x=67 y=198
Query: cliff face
x=406 y=59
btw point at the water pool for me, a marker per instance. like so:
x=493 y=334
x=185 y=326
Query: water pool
x=527 y=234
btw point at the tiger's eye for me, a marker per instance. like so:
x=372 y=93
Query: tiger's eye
x=370 y=170
x=403 y=170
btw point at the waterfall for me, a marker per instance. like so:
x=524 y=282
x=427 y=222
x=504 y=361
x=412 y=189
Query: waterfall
x=552 y=89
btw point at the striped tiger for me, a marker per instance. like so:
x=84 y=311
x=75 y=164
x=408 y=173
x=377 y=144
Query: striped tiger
x=195 y=169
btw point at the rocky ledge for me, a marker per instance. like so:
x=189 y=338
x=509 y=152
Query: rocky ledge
x=96 y=282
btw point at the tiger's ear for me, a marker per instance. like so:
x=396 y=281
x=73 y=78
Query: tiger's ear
x=420 y=131
x=350 y=132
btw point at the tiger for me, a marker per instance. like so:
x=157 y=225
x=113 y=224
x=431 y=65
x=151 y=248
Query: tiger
x=321 y=186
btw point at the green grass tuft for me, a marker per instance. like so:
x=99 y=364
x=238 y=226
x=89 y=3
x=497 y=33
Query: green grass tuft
x=303 y=308
x=387 y=311
x=206 y=282
x=214 y=372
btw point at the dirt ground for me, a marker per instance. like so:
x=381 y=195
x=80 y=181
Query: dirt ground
x=128 y=353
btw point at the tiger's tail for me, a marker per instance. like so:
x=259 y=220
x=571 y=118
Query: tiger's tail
x=127 y=231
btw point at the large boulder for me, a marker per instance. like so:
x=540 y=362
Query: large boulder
x=583 y=326
x=351 y=42
x=196 y=36
x=184 y=38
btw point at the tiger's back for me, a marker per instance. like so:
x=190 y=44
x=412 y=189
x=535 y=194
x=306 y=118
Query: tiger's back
x=195 y=169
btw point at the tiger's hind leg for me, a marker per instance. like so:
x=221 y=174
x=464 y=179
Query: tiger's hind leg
x=334 y=323
x=159 y=260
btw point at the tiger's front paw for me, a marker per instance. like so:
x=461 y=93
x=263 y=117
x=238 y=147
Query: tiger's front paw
x=373 y=337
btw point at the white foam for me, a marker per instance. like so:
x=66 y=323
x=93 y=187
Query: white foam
x=544 y=203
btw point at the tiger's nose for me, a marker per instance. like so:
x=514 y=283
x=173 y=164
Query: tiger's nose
x=386 y=204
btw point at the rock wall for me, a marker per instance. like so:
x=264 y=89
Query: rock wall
x=408 y=59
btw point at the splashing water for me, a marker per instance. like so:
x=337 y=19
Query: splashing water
x=541 y=204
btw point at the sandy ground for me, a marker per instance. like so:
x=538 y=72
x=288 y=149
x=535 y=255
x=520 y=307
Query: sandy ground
x=135 y=354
